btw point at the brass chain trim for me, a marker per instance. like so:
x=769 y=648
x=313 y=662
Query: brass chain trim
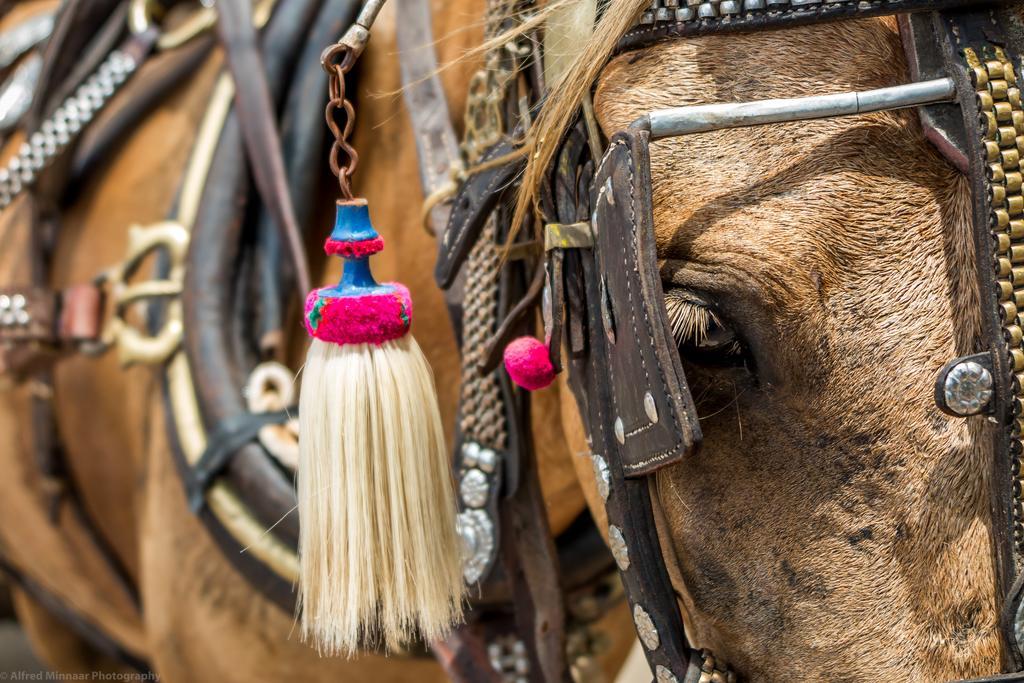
x=1002 y=130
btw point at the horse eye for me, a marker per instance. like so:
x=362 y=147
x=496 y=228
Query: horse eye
x=700 y=334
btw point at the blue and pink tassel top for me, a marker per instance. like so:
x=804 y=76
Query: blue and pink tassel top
x=358 y=310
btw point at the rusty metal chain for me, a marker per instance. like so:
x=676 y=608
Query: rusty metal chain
x=338 y=60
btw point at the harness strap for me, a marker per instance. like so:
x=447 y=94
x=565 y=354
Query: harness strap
x=37 y=323
x=975 y=59
x=87 y=630
x=632 y=393
x=437 y=144
x=259 y=127
x=227 y=437
x=474 y=204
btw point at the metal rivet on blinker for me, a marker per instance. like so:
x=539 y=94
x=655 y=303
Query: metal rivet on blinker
x=607 y=317
x=620 y=431
x=617 y=543
x=645 y=628
x=650 y=407
x=663 y=675
x=609 y=191
x=602 y=475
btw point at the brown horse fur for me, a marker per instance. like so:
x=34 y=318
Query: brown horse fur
x=834 y=526
x=200 y=621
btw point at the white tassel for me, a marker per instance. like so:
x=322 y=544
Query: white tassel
x=380 y=554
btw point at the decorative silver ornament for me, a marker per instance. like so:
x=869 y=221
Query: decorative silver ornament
x=645 y=628
x=602 y=475
x=650 y=407
x=487 y=460
x=620 y=431
x=707 y=11
x=620 y=551
x=67 y=120
x=663 y=675
x=470 y=453
x=474 y=488
x=477 y=533
x=508 y=657
x=967 y=389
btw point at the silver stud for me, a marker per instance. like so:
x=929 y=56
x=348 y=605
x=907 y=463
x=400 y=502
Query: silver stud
x=729 y=8
x=18 y=302
x=645 y=628
x=470 y=453
x=474 y=488
x=21 y=317
x=650 y=407
x=620 y=551
x=967 y=389
x=663 y=675
x=477 y=533
x=620 y=431
x=707 y=11
x=487 y=460
x=607 y=318
x=685 y=14
x=6 y=318
x=609 y=191
x=5 y=302
x=602 y=475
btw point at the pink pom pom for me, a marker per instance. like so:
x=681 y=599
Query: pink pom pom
x=528 y=363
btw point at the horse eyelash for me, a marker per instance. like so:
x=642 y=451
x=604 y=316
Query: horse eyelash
x=690 y=321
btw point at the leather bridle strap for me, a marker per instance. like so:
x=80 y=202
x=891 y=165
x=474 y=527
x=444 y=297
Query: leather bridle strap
x=981 y=62
x=259 y=127
x=437 y=144
x=631 y=391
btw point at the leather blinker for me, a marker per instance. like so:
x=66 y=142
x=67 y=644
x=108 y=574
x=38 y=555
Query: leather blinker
x=655 y=422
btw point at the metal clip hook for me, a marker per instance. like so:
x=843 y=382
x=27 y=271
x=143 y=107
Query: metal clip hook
x=358 y=34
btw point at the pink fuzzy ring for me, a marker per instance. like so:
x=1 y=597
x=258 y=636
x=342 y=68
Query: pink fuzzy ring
x=528 y=363
x=380 y=315
x=356 y=249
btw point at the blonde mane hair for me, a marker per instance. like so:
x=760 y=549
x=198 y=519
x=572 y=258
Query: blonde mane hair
x=565 y=97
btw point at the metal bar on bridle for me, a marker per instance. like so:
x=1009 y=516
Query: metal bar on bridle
x=702 y=118
x=359 y=33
